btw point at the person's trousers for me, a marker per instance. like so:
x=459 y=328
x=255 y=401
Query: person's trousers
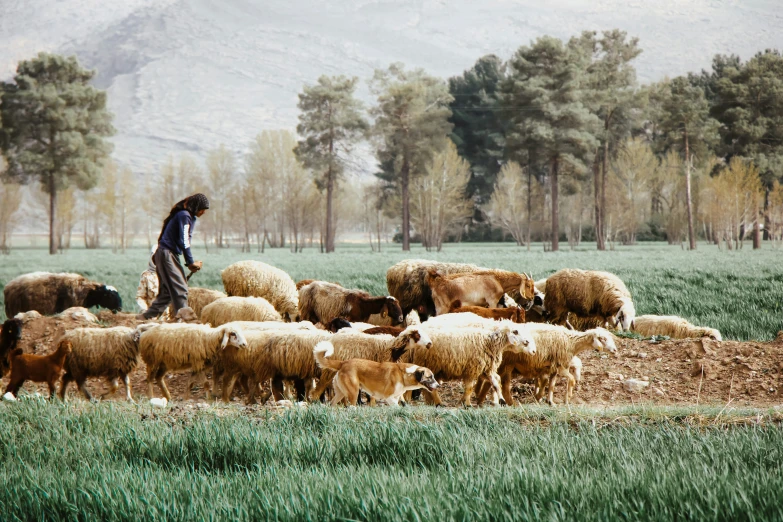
x=173 y=285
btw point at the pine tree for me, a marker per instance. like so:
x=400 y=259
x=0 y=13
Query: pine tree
x=54 y=123
x=330 y=122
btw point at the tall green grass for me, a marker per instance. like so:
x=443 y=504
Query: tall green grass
x=739 y=292
x=111 y=462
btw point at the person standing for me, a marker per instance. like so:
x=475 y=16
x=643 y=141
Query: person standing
x=174 y=240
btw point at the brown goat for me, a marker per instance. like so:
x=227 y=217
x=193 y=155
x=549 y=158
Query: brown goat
x=471 y=289
x=10 y=334
x=515 y=314
x=37 y=368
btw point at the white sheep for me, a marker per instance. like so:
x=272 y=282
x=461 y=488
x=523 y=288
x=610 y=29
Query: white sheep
x=470 y=353
x=230 y=309
x=182 y=346
x=672 y=326
x=256 y=279
x=112 y=353
x=199 y=297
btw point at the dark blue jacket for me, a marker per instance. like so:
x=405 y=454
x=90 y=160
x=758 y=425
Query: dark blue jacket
x=176 y=236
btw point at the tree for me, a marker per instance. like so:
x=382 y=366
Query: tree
x=411 y=124
x=126 y=205
x=635 y=167
x=330 y=122
x=689 y=128
x=478 y=127
x=53 y=125
x=735 y=198
x=221 y=183
x=611 y=79
x=10 y=200
x=438 y=202
x=547 y=119
x=510 y=203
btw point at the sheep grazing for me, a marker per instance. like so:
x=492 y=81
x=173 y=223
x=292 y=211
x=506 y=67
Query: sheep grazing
x=588 y=293
x=672 y=326
x=321 y=302
x=198 y=298
x=378 y=348
x=173 y=347
x=37 y=368
x=470 y=353
x=229 y=309
x=256 y=279
x=51 y=294
x=407 y=281
x=112 y=353
x=556 y=347
x=10 y=334
x=515 y=314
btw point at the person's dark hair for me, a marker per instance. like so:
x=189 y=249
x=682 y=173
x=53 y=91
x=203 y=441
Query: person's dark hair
x=192 y=204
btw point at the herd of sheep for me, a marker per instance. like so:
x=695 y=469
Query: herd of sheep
x=479 y=326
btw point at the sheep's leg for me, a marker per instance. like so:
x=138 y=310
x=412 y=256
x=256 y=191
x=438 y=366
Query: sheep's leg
x=126 y=381
x=254 y=386
x=114 y=385
x=300 y=388
x=228 y=385
x=470 y=385
x=497 y=392
x=82 y=384
x=570 y=387
x=67 y=378
x=161 y=380
x=151 y=376
x=552 y=382
x=482 y=389
x=505 y=384
x=278 y=389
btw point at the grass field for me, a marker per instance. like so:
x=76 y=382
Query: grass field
x=739 y=292
x=115 y=462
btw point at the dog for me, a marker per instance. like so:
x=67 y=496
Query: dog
x=385 y=381
x=37 y=368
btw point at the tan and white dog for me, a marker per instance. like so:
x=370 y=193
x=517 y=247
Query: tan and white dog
x=386 y=381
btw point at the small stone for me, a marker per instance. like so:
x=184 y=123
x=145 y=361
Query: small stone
x=635 y=385
x=646 y=378
x=642 y=355
x=659 y=392
x=615 y=376
x=659 y=359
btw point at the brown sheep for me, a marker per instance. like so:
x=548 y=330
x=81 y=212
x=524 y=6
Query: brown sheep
x=515 y=314
x=37 y=368
x=588 y=293
x=321 y=302
x=51 y=294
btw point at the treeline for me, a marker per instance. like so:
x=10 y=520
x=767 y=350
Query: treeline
x=557 y=143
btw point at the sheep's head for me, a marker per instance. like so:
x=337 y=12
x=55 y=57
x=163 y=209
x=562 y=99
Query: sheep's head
x=392 y=308
x=104 y=296
x=233 y=337
x=713 y=334
x=417 y=337
x=603 y=340
x=625 y=316
x=423 y=376
x=519 y=339
x=290 y=313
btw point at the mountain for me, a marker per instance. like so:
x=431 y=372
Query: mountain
x=187 y=75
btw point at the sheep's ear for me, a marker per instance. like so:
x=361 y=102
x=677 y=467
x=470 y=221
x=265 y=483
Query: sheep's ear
x=224 y=342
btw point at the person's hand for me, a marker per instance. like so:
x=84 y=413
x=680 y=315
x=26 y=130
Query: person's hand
x=195 y=266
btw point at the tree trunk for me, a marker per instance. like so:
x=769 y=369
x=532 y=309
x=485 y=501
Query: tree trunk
x=604 y=168
x=406 y=213
x=599 y=235
x=756 y=234
x=329 y=227
x=555 y=211
x=529 y=204
x=767 y=228
x=52 y=209
x=689 y=204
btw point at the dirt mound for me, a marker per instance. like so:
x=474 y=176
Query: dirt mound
x=670 y=372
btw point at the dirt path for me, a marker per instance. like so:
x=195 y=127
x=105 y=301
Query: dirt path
x=678 y=371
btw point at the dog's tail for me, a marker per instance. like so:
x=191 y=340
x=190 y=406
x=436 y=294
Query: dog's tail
x=323 y=350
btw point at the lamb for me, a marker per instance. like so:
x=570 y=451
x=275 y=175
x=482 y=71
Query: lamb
x=112 y=353
x=229 y=309
x=10 y=334
x=37 y=368
x=198 y=298
x=321 y=302
x=672 y=326
x=172 y=347
x=556 y=347
x=407 y=281
x=588 y=293
x=515 y=314
x=256 y=279
x=378 y=348
x=470 y=353
x=50 y=293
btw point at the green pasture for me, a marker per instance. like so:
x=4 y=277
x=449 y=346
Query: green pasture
x=738 y=292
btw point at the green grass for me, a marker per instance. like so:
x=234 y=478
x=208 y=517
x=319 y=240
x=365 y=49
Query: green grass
x=115 y=462
x=739 y=292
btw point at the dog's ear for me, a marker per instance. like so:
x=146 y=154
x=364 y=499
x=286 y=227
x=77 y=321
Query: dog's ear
x=411 y=369
x=419 y=375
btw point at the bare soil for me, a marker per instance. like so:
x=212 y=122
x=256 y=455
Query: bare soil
x=679 y=372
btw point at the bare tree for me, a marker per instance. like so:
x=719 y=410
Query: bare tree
x=510 y=202
x=10 y=200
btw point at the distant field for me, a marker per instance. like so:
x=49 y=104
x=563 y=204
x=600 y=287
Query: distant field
x=740 y=292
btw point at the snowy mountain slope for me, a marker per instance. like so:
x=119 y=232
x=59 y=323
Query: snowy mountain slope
x=187 y=75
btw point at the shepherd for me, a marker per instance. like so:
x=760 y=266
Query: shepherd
x=174 y=240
